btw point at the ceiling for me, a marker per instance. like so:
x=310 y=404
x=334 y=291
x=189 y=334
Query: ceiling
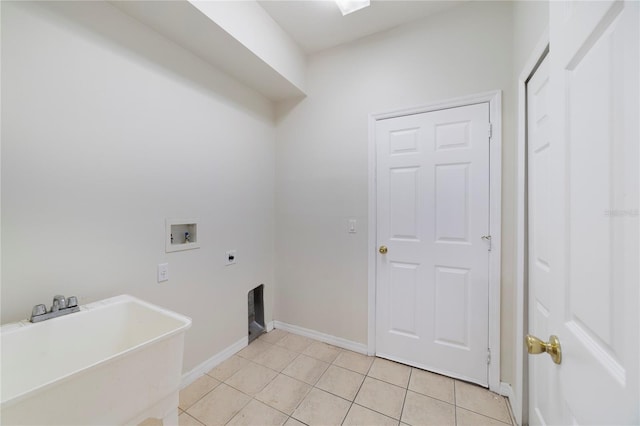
x=318 y=24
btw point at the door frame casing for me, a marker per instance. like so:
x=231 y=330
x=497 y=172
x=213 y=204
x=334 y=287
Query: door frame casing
x=494 y=98
x=521 y=384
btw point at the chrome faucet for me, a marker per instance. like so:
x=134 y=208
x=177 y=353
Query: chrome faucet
x=61 y=306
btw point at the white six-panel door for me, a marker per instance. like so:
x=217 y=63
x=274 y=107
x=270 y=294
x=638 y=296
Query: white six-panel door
x=541 y=383
x=432 y=214
x=588 y=291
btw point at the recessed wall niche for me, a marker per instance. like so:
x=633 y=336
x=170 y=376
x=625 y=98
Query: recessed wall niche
x=181 y=234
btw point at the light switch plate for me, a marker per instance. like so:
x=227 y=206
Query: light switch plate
x=352 y=226
x=163 y=272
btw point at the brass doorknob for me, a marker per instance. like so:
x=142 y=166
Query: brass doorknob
x=552 y=347
x=383 y=250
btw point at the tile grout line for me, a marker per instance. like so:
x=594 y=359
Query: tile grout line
x=373 y=378
x=184 y=412
x=301 y=399
x=225 y=383
x=357 y=392
x=455 y=400
x=347 y=413
x=198 y=400
x=267 y=405
x=486 y=417
x=252 y=397
x=377 y=412
x=406 y=392
x=392 y=384
x=455 y=405
x=312 y=386
x=241 y=408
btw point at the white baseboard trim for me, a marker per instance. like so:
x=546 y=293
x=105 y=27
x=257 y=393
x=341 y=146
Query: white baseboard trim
x=201 y=369
x=269 y=326
x=326 y=338
x=507 y=390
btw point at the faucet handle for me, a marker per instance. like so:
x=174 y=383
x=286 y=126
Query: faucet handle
x=59 y=301
x=72 y=302
x=38 y=310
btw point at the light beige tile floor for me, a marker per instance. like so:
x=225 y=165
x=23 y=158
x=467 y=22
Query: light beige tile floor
x=282 y=378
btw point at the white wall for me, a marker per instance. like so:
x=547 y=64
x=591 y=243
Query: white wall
x=530 y=18
x=321 y=160
x=108 y=129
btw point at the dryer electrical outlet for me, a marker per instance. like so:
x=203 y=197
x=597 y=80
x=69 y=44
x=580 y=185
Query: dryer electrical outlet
x=230 y=257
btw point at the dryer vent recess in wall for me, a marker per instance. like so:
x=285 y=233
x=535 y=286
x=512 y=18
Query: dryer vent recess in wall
x=256 y=312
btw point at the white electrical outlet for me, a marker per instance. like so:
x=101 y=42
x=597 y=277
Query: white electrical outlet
x=163 y=272
x=230 y=257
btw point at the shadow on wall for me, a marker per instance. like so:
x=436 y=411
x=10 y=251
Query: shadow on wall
x=284 y=107
x=104 y=22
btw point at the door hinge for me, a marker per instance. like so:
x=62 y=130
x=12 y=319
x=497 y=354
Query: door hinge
x=488 y=356
x=490 y=130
